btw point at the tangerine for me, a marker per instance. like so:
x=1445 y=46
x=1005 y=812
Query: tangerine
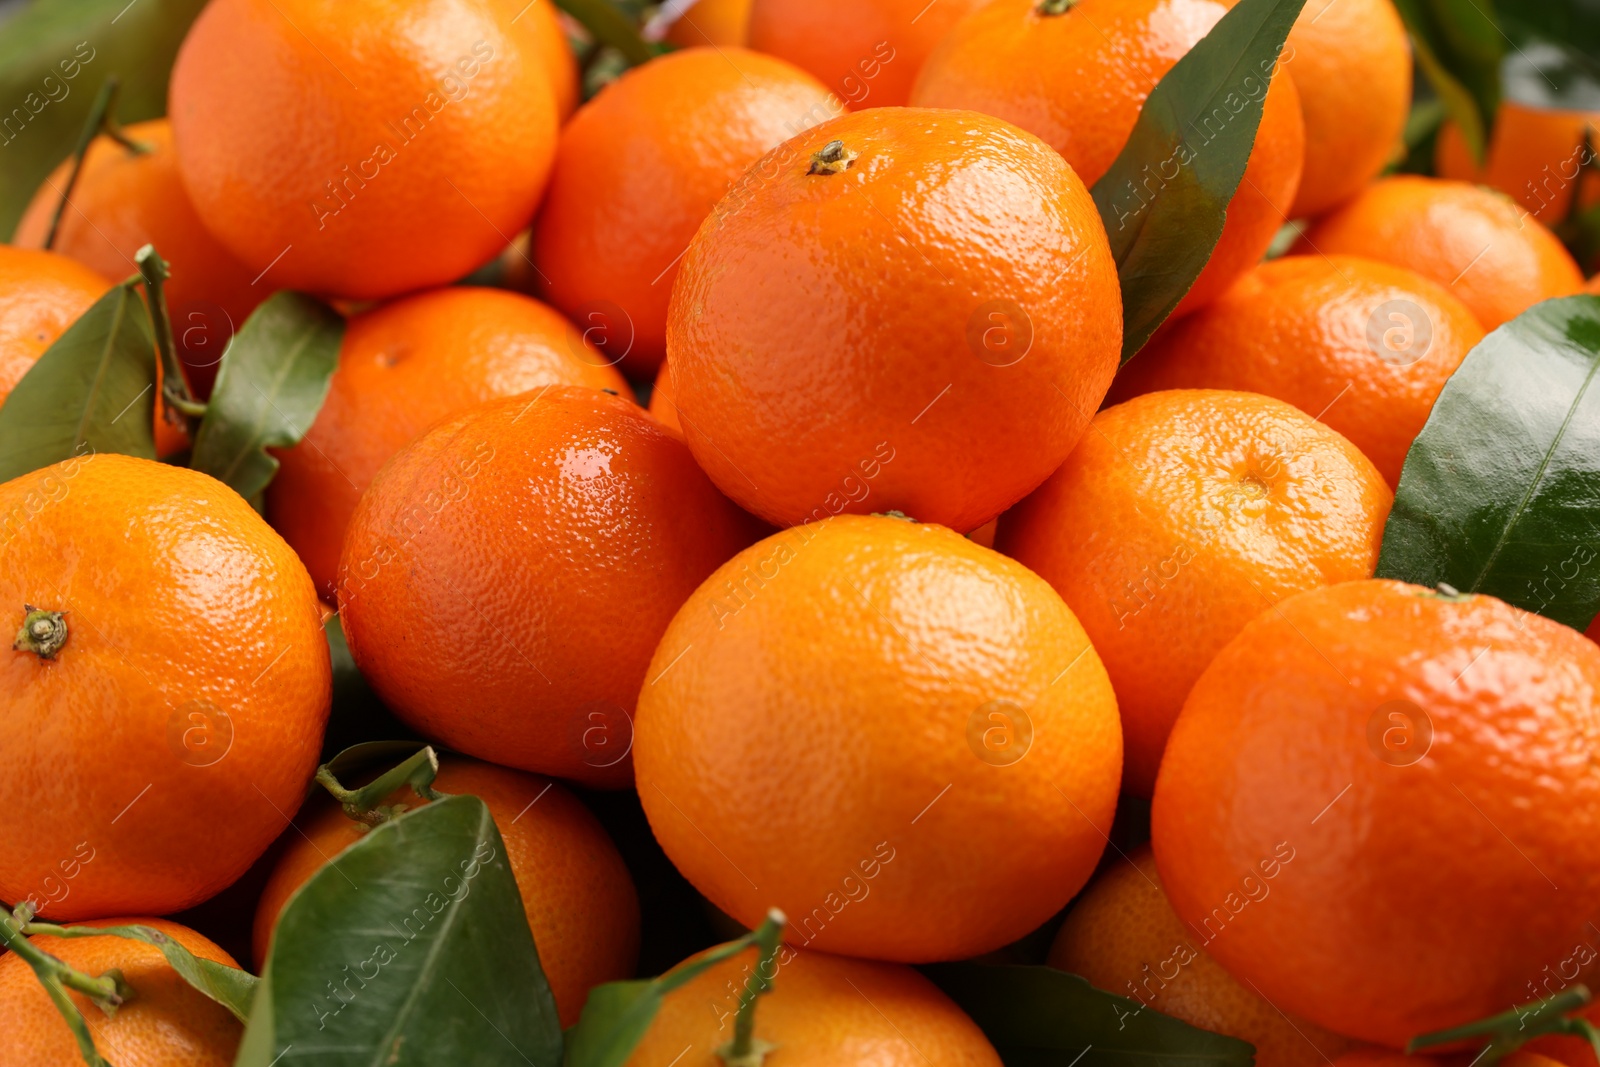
x=1182 y=516
x=853 y=329
x=1537 y=156
x=508 y=575
x=1371 y=798
x=879 y=695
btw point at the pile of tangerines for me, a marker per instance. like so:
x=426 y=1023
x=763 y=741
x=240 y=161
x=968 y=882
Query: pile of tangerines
x=755 y=436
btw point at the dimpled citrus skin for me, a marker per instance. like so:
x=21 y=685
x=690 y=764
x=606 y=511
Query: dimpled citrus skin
x=1123 y=936
x=124 y=200
x=662 y=406
x=1079 y=79
x=1535 y=156
x=540 y=20
x=642 y=165
x=866 y=51
x=41 y=294
x=576 y=890
x=442 y=113
x=1363 y=346
x=1422 y=894
x=822 y=1011
x=832 y=688
x=821 y=320
x=166 y=1023
x=403 y=367
x=1476 y=242
x=508 y=575
x=1351 y=64
x=1181 y=516
x=183 y=607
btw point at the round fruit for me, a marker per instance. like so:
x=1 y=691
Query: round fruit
x=1473 y=241
x=866 y=51
x=920 y=721
x=857 y=300
x=541 y=21
x=1178 y=520
x=1536 y=157
x=669 y=137
x=166 y=1023
x=362 y=150
x=578 y=894
x=1089 y=67
x=170 y=677
x=1123 y=937
x=1351 y=64
x=124 y=200
x=1409 y=775
x=403 y=367
x=508 y=575
x=41 y=294
x=712 y=22
x=1364 y=347
x=662 y=406
x=822 y=1011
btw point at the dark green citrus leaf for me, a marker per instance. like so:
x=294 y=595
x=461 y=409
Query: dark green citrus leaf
x=272 y=382
x=1459 y=47
x=410 y=949
x=54 y=55
x=608 y=25
x=1042 y=1017
x=93 y=390
x=1500 y=493
x=228 y=986
x=1165 y=199
x=618 y=1014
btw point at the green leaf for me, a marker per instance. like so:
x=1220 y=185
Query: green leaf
x=1555 y=58
x=618 y=1014
x=410 y=949
x=228 y=986
x=1165 y=199
x=1459 y=46
x=93 y=390
x=1042 y=1017
x=90 y=39
x=610 y=26
x=1500 y=493
x=272 y=382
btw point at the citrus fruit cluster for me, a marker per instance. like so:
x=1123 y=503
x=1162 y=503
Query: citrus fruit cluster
x=956 y=533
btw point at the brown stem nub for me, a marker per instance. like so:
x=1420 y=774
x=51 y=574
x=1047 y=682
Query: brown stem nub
x=1055 y=7
x=43 y=632
x=831 y=159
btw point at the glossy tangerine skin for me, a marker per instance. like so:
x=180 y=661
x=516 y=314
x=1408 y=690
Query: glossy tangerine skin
x=166 y=1023
x=822 y=1011
x=823 y=320
x=1475 y=242
x=824 y=687
x=184 y=607
x=1351 y=64
x=1123 y=936
x=508 y=575
x=41 y=294
x=1181 y=517
x=124 y=200
x=540 y=21
x=1297 y=328
x=1078 y=81
x=643 y=164
x=576 y=890
x=867 y=52
x=1421 y=895
x=404 y=366
x=271 y=101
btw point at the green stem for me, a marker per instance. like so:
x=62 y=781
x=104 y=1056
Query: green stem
x=1510 y=1030
x=108 y=992
x=178 y=405
x=366 y=803
x=610 y=26
x=102 y=119
x=745 y=1050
